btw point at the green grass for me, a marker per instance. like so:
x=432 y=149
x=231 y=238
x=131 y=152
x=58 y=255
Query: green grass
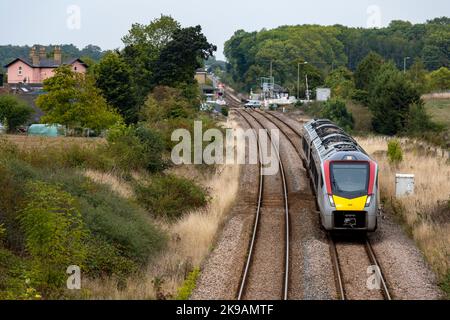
x=439 y=109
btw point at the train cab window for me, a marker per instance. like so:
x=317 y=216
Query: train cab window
x=349 y=180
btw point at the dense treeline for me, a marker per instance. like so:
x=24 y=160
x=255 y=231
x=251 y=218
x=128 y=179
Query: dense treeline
x=10 y=52
x=328 y=47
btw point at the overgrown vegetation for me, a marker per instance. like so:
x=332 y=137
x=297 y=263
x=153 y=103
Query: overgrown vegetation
x=54 y=214
x=55 y=217
x=170 y=197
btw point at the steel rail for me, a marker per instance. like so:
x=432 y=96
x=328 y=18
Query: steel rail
x=286 y=209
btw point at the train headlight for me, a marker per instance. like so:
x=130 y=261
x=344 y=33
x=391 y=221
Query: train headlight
x=368 y=201
x=330 y=197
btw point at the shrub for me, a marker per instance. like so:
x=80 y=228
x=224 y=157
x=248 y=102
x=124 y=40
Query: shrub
x=134 y=148
x=395 y=153
x=13 y=175
x=170 y=196
x=13 y=271
x=54 y=232
x=419 y=121
x=104 y=259
x=440 y=79
x=361 y=96
x=15 y=111
x=336 y=111
x=110 y=217
x=224 y=111
x=185 y=291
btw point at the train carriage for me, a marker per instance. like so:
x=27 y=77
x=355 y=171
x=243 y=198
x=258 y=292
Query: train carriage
x=344 y=177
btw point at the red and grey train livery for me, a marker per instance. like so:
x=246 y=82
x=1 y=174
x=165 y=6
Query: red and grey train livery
x=344 y=177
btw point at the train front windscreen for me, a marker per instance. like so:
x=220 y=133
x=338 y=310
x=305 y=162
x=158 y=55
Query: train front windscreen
x=350 y=180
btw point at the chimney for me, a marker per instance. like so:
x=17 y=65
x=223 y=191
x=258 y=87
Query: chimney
x=34 y=56
x=57 y=56
x=42 y=54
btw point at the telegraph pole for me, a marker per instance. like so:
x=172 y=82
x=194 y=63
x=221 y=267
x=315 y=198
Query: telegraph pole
x=307 y=88
x=404 y=63
x=298 y=77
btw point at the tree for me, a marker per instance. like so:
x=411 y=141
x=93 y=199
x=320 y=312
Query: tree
x=440 y=79
x=336 y=111
x=72 y=100
x=341 y=82
x=390 y=98
x=113 y=78
x=181 y=57
x=417 y=74
x=14 y=112
x=143 y=45
x=367 y=70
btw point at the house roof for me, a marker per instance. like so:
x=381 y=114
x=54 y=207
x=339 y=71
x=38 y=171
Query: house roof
x=46 y=63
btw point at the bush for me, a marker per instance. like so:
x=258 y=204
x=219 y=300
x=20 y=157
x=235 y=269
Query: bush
x=134 y=148
x=15 y=111
x=104 y=259
x=13 y=270
x=54 y=233
x=112 y=218
x=419 y=121
x=336 y=111
x=170 y=196
x=395 y=153
x=440 y=79
x=361 y=96
x=185 y=291
x=224 y=111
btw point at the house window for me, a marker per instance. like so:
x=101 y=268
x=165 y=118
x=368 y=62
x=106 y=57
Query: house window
x=20 y=71
x=75 y=68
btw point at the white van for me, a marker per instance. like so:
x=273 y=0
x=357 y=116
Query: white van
x=253 y=104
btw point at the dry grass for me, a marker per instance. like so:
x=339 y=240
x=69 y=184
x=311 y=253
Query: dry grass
x=191 y=240
x=426 y=213
x=116 y=184
x=31 y=142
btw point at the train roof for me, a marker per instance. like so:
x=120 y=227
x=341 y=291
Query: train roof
x=330 y=140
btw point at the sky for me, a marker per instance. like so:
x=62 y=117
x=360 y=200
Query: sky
x=105 y=22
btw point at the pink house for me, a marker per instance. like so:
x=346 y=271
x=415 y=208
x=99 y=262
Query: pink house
x=37 y=68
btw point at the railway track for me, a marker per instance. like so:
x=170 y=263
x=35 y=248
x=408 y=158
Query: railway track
x=267 y=216
x=291 y=134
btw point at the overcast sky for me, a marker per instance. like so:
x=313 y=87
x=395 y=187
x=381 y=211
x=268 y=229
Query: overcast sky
x=104 y=22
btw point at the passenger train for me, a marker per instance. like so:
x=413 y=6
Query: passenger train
x=344 y=177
